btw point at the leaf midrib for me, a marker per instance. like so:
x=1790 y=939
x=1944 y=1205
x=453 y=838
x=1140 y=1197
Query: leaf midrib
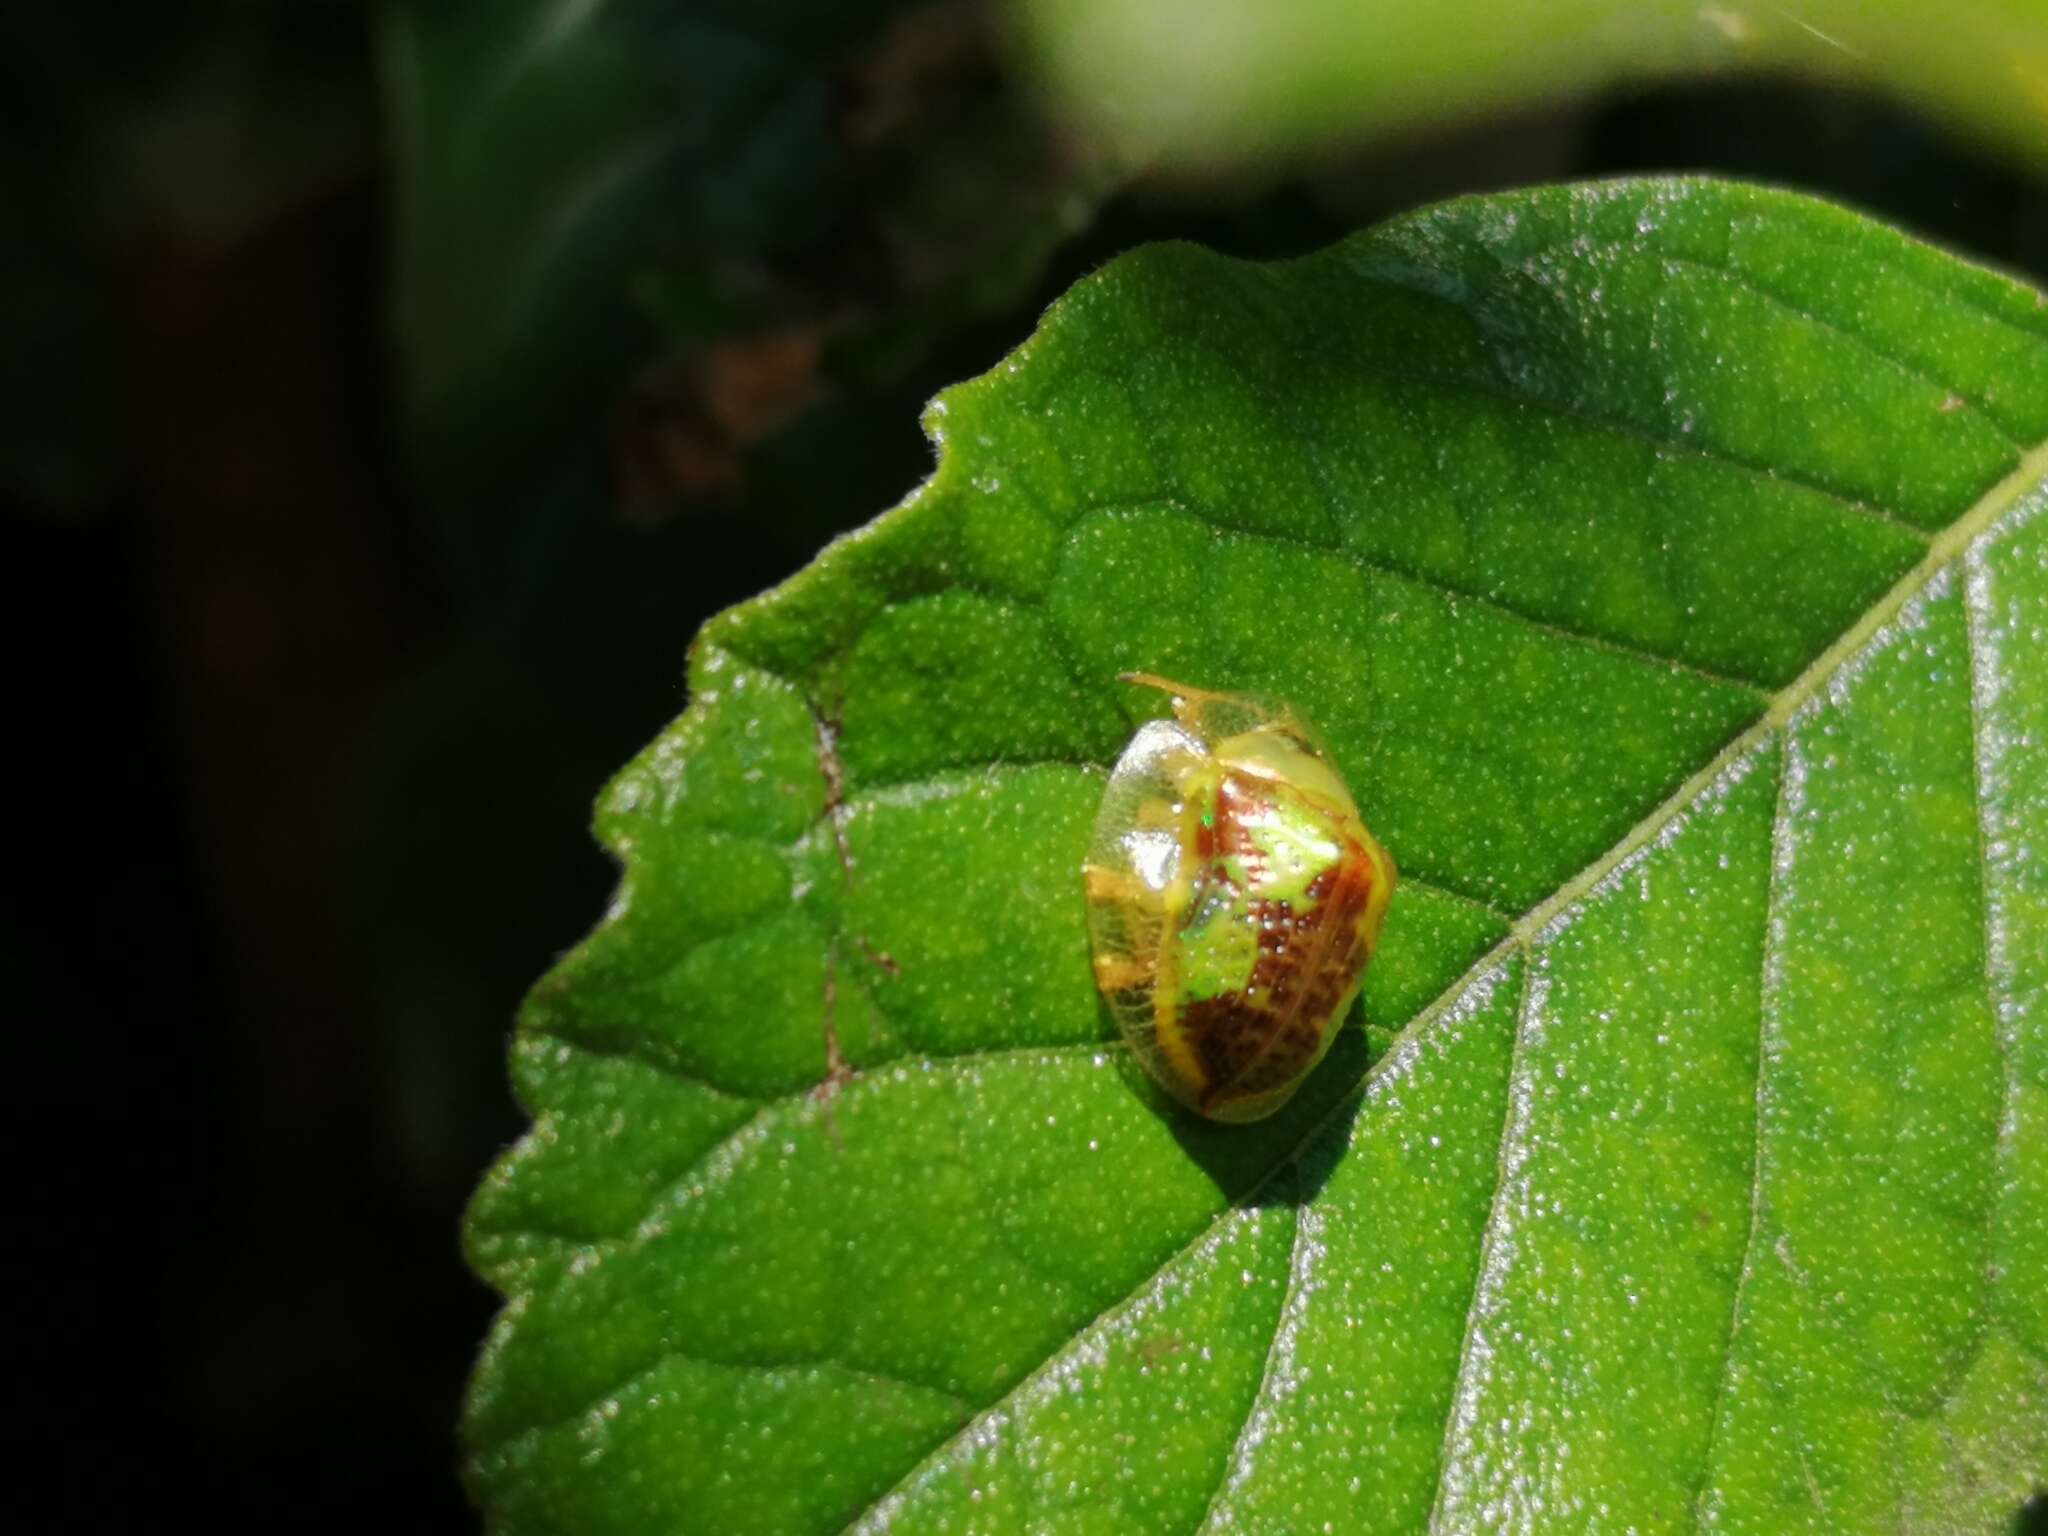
x=1944 y=550
x=1781 y=832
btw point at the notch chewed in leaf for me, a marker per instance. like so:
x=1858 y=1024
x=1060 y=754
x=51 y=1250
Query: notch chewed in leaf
x=1666 y=565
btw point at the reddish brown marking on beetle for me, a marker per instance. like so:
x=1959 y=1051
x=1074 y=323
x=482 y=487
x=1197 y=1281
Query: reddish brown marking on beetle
x=1248 y=1044
x=1225 y=1032
x=1241 y=801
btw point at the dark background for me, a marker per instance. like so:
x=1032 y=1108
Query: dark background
x=331 y=626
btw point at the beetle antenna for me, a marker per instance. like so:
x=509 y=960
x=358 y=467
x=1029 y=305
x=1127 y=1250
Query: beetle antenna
x=1164 y=685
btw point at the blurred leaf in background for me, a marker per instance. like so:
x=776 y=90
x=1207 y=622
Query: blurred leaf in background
x=673 y=227
x=1206 y=81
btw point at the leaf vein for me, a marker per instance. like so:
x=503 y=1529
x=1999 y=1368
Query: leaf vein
x=1781 y=833
x=1748 y=283
x=1344 y=515
x=1454 y=595
x=1616 y=426
x=670 y=1354
x=1234 y=1458
x=795 y=1099
x=1514 y=1102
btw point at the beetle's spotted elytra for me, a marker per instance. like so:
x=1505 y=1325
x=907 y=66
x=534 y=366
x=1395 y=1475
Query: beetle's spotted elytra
x=1234 y=899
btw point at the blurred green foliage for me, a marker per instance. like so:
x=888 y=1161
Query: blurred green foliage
x=1218 y=80
x=589 y=198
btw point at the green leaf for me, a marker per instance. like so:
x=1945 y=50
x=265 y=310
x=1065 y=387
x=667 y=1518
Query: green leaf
x=1666 y=564
x=1214 y=79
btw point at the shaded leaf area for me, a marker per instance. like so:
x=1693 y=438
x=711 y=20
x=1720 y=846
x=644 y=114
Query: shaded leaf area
x=1664 y=562
x=1212 y=80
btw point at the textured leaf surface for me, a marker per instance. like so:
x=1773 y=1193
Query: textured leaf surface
x=1666 y=563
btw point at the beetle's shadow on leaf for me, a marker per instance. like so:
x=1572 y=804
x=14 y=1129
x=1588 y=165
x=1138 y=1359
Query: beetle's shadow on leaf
x=1308 y=1133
